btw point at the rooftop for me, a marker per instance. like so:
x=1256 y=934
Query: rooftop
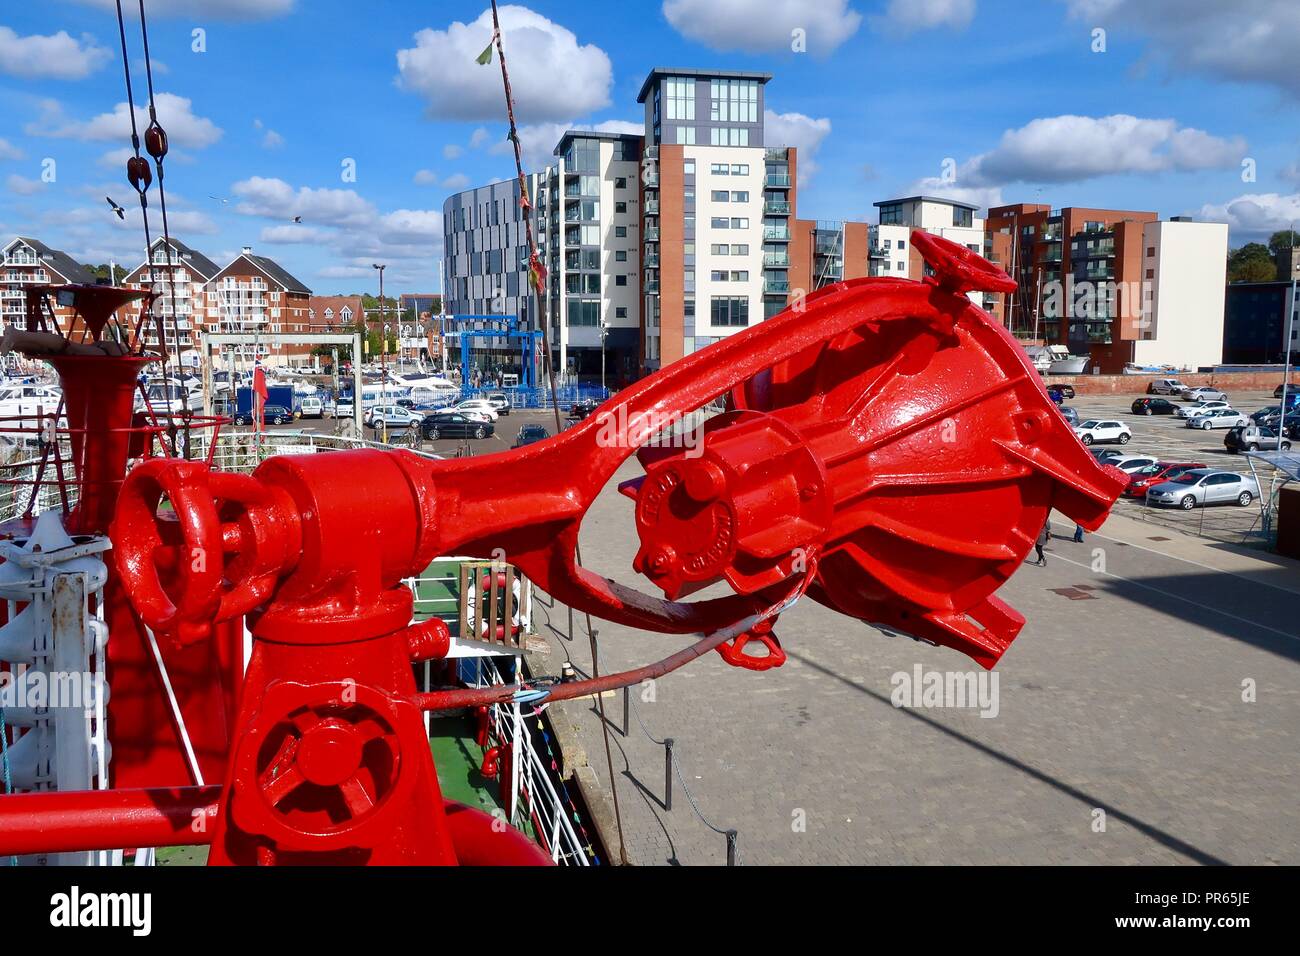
x=662 y=71
x=592 y=134
x=938 y=199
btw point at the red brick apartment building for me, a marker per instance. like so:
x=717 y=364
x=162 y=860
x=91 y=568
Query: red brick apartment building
x=255 y=293
x=1050 y=252
x=25 y=262
x=180 y=270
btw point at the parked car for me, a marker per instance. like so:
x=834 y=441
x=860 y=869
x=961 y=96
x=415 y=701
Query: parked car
x=500 y=401
x=1262 y=416
x=1059 y=393
x=311 y=407
x=1203 y=393
x=1218 y=418
x=271 y=415
x=582 y=409
x=340 y=408
x=1068 y=413
x=1154 y=406
x=454 y=425
x=1254 y=438
x=1204 y=486
x=394 y=416
x=1166 y=386
x=1199 y=408
x=475 y=408
x=1099 y=430
x=1145 y=478
x=1105 y=456
x=529 y=434
x=1292 y=388
x=1131 y=464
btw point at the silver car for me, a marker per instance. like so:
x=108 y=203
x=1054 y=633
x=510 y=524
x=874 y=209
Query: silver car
x=1218 y=418
x=1204 y=392
x=1204 y=486
x=1191 y=411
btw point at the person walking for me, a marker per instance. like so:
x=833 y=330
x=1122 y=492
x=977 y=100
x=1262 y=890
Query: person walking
x=1078 y=534
x=1044 y=536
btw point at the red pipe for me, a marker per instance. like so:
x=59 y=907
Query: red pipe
x=106 y=819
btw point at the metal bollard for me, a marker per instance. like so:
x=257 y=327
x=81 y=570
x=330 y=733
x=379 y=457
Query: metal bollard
x=627 y=710
x=731 y=848
x=668 y=773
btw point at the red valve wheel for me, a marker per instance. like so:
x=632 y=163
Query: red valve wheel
x=958 y=269
x=186 y=609
x=733 y=651
x=195 y=596
x=325 y=764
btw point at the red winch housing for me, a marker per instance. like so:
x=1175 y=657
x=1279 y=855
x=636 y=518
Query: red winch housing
x=888 y=450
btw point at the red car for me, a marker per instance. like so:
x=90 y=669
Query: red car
x=1140 y=481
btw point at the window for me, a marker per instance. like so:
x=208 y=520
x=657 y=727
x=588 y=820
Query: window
x=892 y=214
x=720 y=222
x=962 y=217
x=718 y=276
x=681 y=97
x=719 y=195
x=620 y=312
x=620 y=232
x=686 y=135
x=741 y=276
x=733 y=101
x=584 y=313
x=1151 y=250
x=740 y=169
x=740 y=223
x=688 y=168
x=620 y=280
x=620 y=182
x=721 y=136
x=720 y=169
x=740 y=250
x=740 y=196
x=729 y=310
x=720 y=249
x=620 y=255
x=620 y=207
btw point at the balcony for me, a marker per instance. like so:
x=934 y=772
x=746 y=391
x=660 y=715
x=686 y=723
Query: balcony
x=777 y=180
x=652 y=287
x=777 y=260
x=651 y=262
x=776 y=234
x=774 y=207
x=776 y=287
x=650 y=234
x=652 y=207
x=877 y=252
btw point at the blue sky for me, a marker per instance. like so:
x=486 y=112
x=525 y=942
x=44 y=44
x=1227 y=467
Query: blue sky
x=1020 y=97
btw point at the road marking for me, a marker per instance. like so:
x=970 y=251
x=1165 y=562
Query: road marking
x=1207 y=567
x=1179 y=597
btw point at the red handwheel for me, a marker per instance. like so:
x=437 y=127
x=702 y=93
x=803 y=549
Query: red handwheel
x=958 y=269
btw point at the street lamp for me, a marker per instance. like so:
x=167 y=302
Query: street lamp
x=383 y=352
x=604 y=331
x=1290 y=323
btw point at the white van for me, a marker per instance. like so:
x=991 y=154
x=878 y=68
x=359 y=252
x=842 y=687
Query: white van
x=311 y=407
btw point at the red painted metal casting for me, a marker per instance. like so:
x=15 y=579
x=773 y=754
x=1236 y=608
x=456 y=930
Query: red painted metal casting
x=889 y=446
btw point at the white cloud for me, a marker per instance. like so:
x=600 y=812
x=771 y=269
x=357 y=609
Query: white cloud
x=1064 y=149
x=8 y=151
x=272 y=140
x=909 y=16
x=425 y=177
x=24 y=186
x=478 y=138
x=294 y=234
x=551 y=75
x=1255 y=215
x=1249 y=41
x=216 y=9
x=798 y=130
x=56 y=57
x=452 y=151
x=764 y=26
x=175 y=114
x=982 y=196
x=276 y=199
x=455 y=181
x=537 y=141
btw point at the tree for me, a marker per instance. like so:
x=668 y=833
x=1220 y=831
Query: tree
x=1251 y=263
x=101 y=272
x=1283 y=240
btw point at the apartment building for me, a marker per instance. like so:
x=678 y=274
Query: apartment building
x=823 y=252
x=178 y=275
x=256 y=294
x=1255 y=326
x=1184 y=270
x=28 y=262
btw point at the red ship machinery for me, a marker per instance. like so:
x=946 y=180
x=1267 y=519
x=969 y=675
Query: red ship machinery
x=888 y=452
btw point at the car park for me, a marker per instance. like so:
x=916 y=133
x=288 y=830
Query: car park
x=1154 y=406
x=1218 y=418
x=1191 y=411
x=454 y=425
x=499 y=401
x=1204 y=486
x=1104 y=456
x=271 y=415
x=529 y=434
x=1145 y=478
x=1103 y=430
x=1203 y=393
x=1166 y=386
x=1255 y=438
